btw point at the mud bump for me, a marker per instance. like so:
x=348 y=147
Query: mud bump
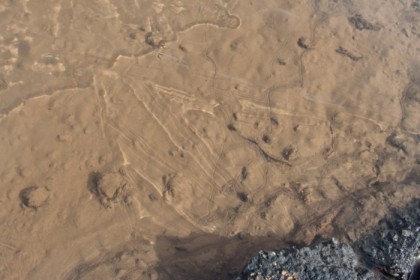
x=108 y=186
x=154 y=39
x=34 y=197
x=228 y=21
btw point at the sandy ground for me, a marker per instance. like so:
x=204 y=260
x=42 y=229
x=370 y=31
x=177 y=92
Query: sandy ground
x=163 y=139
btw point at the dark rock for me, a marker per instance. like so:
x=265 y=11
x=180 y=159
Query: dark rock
x=392 y=251
x=394 y=245
x=327 y=260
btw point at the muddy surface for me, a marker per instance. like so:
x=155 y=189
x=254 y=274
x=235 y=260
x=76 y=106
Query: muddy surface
x=139 y=137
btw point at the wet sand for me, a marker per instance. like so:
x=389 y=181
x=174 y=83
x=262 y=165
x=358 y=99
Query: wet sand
x=174 y=139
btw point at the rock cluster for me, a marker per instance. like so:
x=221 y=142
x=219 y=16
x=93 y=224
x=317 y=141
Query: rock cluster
x=390 y=252
x=326 y=260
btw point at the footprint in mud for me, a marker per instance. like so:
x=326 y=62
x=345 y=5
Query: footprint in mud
x=107 y=187
x=34 y=197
